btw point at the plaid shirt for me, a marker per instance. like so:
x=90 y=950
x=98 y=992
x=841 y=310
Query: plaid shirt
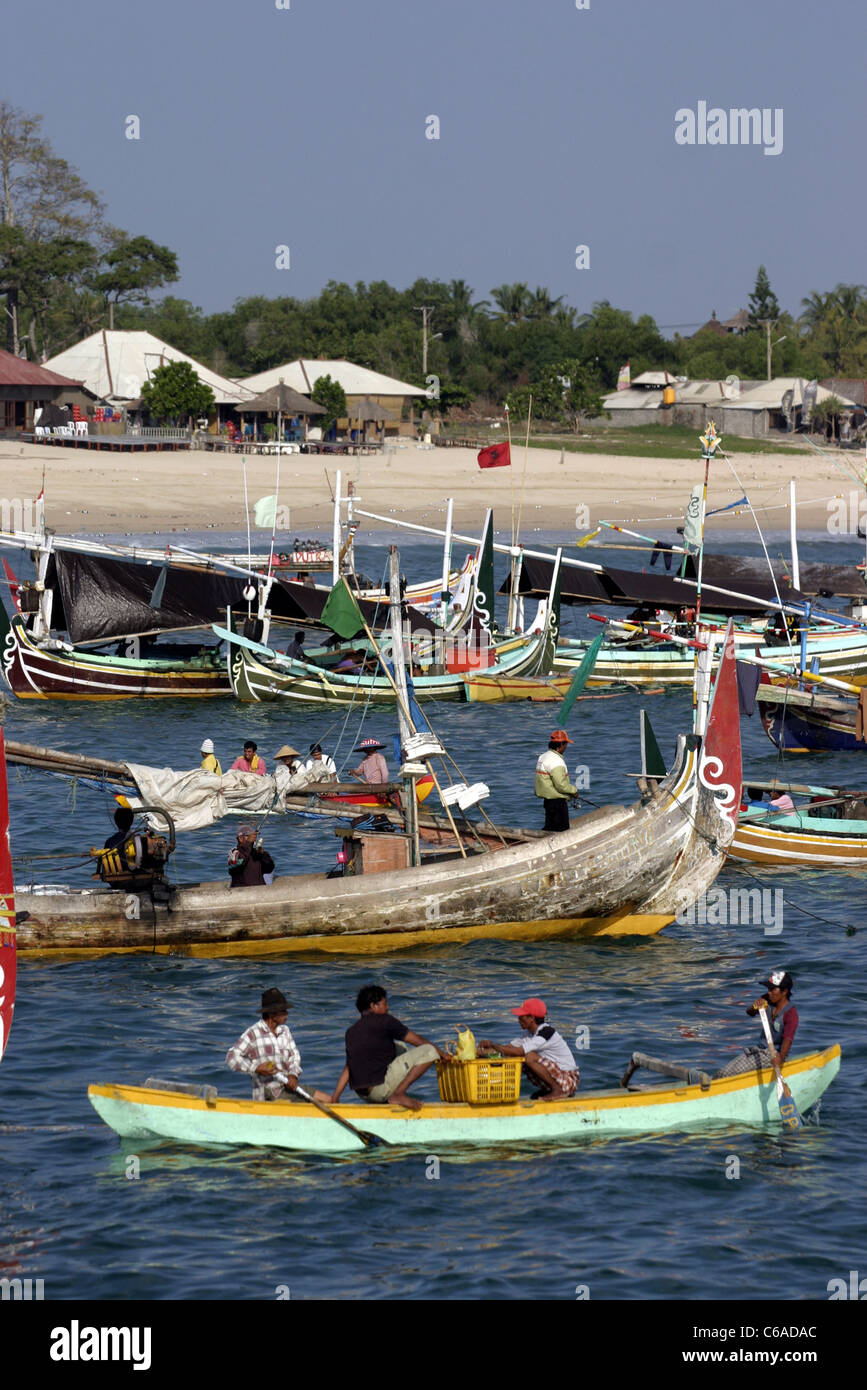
x=260 y=1045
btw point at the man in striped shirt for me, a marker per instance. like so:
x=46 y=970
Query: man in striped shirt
x=268 y=1052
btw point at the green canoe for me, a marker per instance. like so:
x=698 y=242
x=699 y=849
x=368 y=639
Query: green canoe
x=137 y=1112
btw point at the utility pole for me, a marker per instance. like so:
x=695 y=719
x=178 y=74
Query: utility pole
x=767 y=324
x=424 y=310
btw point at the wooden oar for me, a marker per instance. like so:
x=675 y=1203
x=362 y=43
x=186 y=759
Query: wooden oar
x=370 y=1141
x=789 y=1113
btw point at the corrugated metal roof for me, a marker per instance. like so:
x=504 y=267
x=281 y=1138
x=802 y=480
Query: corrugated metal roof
x=768 y=395
x=356 y=381
x=132 y=359
x=633 y=400
x=17 y=371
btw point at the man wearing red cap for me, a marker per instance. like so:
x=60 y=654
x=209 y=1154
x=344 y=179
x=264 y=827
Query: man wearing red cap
x=548 y=1062
x=552 y=782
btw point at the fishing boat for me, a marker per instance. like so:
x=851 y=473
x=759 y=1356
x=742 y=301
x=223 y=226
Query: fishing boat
x=148 y=1112
x=8 y=938
x=826 y=827
x=618 y=870
x=813 y=721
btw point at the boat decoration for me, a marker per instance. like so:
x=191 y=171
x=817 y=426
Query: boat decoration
x=8 y=937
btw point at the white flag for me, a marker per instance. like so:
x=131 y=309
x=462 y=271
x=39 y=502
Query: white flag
x=265 y=512
x=694 y=517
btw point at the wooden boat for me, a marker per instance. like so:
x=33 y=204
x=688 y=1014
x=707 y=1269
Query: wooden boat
x=827 y=831
x=488 y=687
x=256 y=677
x=140 y=1112
x=812 y=721
x=8 y=939
x=618 y=870
x=58 y=670
x=841 y=654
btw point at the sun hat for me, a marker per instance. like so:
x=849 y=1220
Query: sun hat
x=368 y=744
x=530 y=1006
x=287 y=751
x=274 y=1002
x=207 y=746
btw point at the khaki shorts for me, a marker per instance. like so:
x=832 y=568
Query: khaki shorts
x=402 y=1065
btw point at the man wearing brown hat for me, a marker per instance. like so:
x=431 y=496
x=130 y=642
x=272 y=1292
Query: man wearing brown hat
x=268 y=1052
x=552 y=782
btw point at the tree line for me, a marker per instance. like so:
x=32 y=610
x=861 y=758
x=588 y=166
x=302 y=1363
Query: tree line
x=64 y=272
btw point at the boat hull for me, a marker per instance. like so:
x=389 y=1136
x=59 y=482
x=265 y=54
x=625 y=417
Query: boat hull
x=809 y=841
x=36 y=673
x=135 y=1112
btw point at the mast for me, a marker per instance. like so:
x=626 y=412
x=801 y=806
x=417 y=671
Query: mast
x=404 y=722
x=445 y=596
x=710 y=442
x=793 y=531
x=335 y=534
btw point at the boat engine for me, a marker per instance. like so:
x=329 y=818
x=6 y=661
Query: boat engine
x=140 y=861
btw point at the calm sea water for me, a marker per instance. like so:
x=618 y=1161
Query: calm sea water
x=657 y=1217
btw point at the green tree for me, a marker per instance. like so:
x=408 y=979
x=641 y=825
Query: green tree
x=540 y=305
x=133 y=266
x=513 y=302
x=762 y=302
x=41 y=195
x=330 y=394
x=174 y=394
x=565 y=392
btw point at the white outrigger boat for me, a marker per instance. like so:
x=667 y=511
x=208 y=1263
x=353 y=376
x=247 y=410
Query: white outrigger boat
x=154 y=1112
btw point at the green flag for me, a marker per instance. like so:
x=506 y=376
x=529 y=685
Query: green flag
x=265 y=512
x=580 y=678
x=652 y=761
x=341 y=612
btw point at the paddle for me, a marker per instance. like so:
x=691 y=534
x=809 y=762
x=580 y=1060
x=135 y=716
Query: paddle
x=789 y=1112
x=370 y=1141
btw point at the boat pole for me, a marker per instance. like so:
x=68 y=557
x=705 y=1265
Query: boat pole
x=335 y=535
x=793 y=532
x=404 y=723
x=447 y=561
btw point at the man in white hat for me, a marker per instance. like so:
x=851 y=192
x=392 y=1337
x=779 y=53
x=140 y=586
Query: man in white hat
x=210 y=763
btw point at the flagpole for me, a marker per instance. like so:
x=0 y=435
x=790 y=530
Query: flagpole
x=710 y=440
x=511 y=477
x=524 y=474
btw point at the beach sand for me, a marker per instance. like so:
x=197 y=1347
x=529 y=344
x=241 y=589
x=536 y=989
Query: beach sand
x=161 y=492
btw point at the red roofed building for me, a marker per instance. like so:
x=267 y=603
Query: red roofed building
x=24 y=386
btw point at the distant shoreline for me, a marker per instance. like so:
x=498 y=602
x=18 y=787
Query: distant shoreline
x=165 y=492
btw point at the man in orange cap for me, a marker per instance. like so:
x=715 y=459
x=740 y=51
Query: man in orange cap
x=552 y=782
x=548 y=1062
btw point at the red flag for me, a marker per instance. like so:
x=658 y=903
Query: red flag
x=497 y=456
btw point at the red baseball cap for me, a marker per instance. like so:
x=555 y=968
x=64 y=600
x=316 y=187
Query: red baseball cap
x=535 y=1007
x=560 y=736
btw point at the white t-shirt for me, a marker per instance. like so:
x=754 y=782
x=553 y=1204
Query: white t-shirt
x=323 y=767
x=554 y=1048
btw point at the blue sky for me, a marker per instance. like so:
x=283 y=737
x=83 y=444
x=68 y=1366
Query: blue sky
x=306 y=127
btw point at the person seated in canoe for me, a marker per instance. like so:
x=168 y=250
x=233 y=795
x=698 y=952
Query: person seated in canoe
x=548 y=1061
x=783 y=802
x=783 y=1018
x=373 y=769
x=295 y=651
x=250 y=864
x=351 y=665
x=384 y=1057
x=250 y=760
x=268 y=1053
x=210 y=761
x=552 y=782
x=322 y=767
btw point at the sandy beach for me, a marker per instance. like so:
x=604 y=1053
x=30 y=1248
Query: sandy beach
x=161 y=492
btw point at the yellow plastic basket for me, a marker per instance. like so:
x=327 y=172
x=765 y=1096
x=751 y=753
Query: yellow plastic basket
x=484 y=1081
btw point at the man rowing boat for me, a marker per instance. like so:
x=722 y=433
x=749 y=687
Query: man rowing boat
x=548 y=1061
x=783 y=1019
x=379 y=1065
x=268 y=1052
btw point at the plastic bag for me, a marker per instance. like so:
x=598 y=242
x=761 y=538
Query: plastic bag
x=465 y=1048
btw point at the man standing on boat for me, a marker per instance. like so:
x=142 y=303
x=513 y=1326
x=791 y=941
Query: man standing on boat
x=380 y=1066
x=249 y=861
x=210 y=762
x=250 y=762
x=268 y=1052
x=373 y=768
x=783 y=1018
x=296 y=651
x=548 y=1061
x=552 y=782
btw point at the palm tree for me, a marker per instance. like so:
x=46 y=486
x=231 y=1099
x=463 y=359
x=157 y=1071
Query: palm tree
x=541 y=305
x=513 y=302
